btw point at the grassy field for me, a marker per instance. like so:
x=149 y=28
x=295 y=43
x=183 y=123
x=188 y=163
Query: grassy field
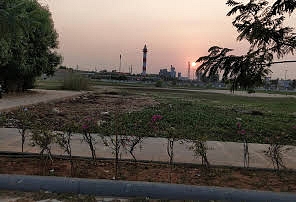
x=214 y=116
x=211 y=115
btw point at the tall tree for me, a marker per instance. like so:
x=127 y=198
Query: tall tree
x=262 y=25
x=27 y=43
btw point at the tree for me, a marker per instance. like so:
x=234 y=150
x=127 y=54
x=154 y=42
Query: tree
x=263 y=27
x=27 y=43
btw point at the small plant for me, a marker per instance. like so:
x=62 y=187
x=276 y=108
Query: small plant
x=64 y=140
x=43 y=138
x=130 y=144
x=199 y=148
x=89 y=126
x=242 y=132
x=172 y=138
x=275 y=152
x=114 y=138
x=23 y=116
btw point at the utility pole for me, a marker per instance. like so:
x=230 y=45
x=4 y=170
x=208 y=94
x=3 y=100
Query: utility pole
x=119 y=62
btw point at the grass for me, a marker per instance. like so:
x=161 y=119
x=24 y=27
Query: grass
x=214 y=115
x=199 y=114
x=49 y=84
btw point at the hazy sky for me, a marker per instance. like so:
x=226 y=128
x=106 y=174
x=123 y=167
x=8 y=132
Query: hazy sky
x=93 y=33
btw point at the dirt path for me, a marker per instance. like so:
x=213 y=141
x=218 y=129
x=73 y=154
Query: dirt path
x=34 y=97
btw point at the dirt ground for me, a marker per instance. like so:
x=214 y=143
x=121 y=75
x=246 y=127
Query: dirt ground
x=95 y=105
x=284 y=181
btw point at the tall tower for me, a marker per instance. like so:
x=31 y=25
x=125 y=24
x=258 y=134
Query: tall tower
x=145 y=50
x=188 y=70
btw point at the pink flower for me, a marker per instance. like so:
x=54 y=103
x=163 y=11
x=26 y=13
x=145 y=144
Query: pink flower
x=156 y=118
x=84 y=126
x=238 y=125
x=294 y=127
x=243 y=132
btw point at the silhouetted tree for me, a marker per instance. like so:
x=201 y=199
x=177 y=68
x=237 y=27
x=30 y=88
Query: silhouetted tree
x=263 y=27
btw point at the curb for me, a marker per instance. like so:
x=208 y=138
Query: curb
x=145 y=190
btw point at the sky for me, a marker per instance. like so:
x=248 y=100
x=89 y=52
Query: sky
x=93 y=33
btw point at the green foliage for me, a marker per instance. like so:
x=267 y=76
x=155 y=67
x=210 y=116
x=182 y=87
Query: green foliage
x=27 y=43
x=43 y=138
x=75 y=82
x=200 y=148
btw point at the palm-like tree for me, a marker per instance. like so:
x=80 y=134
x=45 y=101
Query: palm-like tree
x=283 y=6
x=242 y=71
x=264 y=30
x=263 y=27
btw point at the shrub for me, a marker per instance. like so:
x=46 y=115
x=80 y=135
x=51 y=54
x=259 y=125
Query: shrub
x=275 y=151
x=75 y=82
x=159 y=83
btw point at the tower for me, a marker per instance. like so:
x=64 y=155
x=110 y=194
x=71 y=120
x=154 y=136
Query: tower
x=188 y=70
x=145 y=50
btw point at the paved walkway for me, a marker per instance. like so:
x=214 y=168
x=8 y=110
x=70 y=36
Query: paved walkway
x=220 y=153
x=37 y=96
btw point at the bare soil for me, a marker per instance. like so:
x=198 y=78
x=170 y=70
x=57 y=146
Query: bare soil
x=95 y=105
x=285 y=181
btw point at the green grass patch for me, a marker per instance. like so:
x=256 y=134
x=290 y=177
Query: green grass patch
x=199 y=114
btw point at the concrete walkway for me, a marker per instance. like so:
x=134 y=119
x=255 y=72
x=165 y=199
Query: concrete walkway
x=37 y=96
x=220 y=153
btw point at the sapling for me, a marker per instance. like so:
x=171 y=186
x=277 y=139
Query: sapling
x=43 y=138
x=64 y=139
x=242 y=132
x=23 y=116
x=275 y=152
x=89 y=126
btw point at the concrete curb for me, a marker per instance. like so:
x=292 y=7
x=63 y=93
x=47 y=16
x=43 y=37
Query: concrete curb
x=125 y=189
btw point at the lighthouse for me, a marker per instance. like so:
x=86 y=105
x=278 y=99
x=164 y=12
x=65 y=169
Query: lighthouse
x=145 y=50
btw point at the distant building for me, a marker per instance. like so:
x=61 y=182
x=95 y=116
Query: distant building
x=163 y=72
x=179 y=75
x=173 y=72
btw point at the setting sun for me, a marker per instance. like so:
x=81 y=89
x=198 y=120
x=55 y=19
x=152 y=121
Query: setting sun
x=193 y=64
